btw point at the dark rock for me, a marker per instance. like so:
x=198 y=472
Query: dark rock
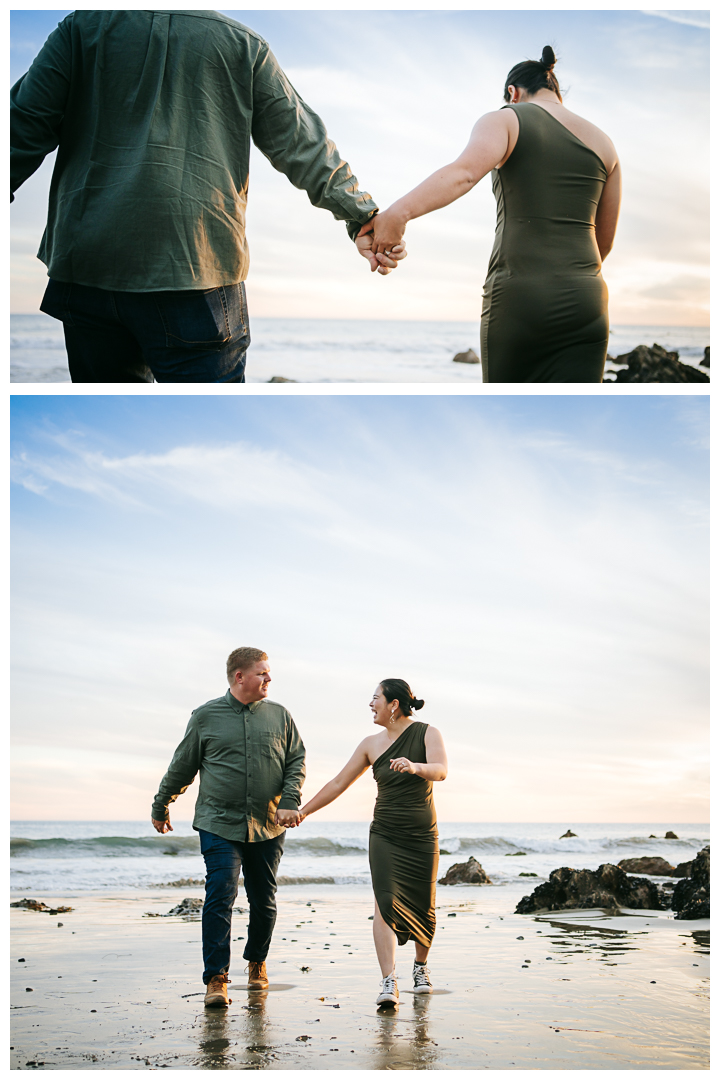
x=607 y=887
x=647 y=864
x=510 y=854
x=469 y=357
x=691 y=899
x=526 y=873
x=37 y=905
x=670 y=835
x=705 y=362
x=652 y=836
x=281 y=378
x=191 y=905
x=568 y=833
x=469 y=873
x=683 y=869
x=654 y=364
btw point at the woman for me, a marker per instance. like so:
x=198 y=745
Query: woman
x=406 y=757
x=556 y=179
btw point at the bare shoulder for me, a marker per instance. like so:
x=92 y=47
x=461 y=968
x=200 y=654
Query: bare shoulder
x=592 y=136
x=498 y=118
x=433 y=731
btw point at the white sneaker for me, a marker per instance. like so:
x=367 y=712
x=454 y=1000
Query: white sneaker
x=389 y=991
x=421 y=982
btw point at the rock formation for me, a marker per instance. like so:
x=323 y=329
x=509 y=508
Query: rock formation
x=469 y=873
x=691 y=899
x=37 y=905
x=191 y=905
x=469 y=357
x=683 y=869
x=608 y=887
x=566 y=834
x=670 y=835
x=647 y=864
x=281 y=378
x=654 y=364
x=705 y=362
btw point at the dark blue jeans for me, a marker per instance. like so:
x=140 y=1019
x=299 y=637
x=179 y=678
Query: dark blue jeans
x=223 y=861
x=197 y=335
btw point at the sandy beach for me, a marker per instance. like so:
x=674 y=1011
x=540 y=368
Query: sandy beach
x=111 y=988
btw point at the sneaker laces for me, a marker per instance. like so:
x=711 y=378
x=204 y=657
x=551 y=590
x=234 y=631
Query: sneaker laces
x=421 y=973
x=389 y=983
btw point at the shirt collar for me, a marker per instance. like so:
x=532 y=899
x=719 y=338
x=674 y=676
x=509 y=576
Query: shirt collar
x=239 y=705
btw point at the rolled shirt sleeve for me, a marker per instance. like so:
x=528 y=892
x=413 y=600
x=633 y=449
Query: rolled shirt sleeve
x=295 y=141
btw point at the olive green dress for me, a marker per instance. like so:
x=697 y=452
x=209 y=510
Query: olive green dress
x=544 y=316
x=404 y=842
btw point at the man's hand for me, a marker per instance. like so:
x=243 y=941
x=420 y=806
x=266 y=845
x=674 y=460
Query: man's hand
x=162 y=826
x=288 y=818
x=381 y=261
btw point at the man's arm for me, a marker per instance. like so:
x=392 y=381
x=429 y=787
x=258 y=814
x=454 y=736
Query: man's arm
x=295 y=141
x=293 y=777
x=37 y=107
x=180 y=775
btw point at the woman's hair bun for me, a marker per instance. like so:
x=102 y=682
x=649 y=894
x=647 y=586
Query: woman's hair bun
x=417 y=703
x=548 y=57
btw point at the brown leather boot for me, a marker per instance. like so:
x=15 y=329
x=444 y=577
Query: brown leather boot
x=216 y=995
x=257 y=975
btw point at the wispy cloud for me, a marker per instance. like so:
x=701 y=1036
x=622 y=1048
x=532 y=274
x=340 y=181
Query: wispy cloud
x=700 y=19
x=537 y=579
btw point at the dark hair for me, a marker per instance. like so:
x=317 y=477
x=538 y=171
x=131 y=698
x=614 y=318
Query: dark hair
x=398 y=689
x=534 y=75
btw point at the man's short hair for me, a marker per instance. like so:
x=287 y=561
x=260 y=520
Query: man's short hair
x=242 y=659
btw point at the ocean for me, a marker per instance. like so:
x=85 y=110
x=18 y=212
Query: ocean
x=341 y=350
x=61 y=858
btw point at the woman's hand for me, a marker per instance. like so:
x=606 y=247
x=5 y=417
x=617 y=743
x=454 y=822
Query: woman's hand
x=388 y=229
x=401 y=764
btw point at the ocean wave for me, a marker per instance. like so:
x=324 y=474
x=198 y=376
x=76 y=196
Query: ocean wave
x=498 y=845
x=326 y=847
x=323 y=845
x=59 y=847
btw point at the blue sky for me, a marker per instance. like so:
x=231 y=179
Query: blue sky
x=405 y=105
x=534 y=566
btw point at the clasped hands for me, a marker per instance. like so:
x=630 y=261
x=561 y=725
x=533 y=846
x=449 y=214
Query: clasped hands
x=380 y=241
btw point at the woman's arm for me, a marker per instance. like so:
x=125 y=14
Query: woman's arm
x=356 y=766
x=608 y=212
x=487 y=147
x=436 y=768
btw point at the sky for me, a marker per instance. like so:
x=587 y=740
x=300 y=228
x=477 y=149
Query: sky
x=399 y=92
x=534 y=566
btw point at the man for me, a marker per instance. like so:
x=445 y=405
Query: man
x=251 y=762
x=152 y=113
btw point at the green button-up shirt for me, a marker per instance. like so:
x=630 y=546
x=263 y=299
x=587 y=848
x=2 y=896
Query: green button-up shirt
x=152 y=113
x=251 y=761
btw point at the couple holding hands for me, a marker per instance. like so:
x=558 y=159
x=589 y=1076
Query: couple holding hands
x=251 y=762
x=153 y=114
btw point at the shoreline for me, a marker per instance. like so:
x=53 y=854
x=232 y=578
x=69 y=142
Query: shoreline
x=111 y=988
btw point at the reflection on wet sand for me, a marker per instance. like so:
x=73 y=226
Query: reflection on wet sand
x=407 y=1040
x=226 y=1042
x=602 y=942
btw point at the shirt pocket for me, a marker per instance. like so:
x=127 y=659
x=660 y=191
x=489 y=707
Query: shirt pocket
x=270 y=745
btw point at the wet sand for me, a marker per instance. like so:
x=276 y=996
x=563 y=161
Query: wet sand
x=112 y=989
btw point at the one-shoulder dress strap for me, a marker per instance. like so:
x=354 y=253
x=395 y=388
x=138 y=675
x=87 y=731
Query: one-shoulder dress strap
x=397 y=749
